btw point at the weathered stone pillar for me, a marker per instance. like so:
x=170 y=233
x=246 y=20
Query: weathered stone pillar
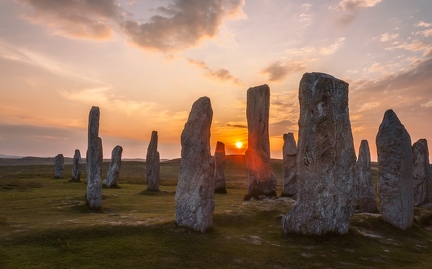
x=76 y=166
x=219 y=173
x=59 y=166
x=153 y=164
x=421 y=174
x=395 y=172
x=194 y=196
x=326 y=166
x=114 y=167
x=289 y=164
x=367 y=195
x=94 y=162
x=261 y=180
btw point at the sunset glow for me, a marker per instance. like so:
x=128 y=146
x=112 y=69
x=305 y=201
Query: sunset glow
x=239 y=145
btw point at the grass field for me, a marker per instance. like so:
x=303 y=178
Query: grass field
x=44 y=224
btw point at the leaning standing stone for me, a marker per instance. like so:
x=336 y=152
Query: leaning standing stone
x=153 y=164
x=421 y=173
x=261 y=180
x=59 y=166
x=326 y=197
x=219 y=173
x=395 y=172
x=367 y=195
x=289 y=164
x=94 y=162
x=194 y=196
x=76 y=166
x=114 y=167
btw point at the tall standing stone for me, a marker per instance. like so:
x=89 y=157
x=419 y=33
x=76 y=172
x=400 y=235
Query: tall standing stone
x=395 y=172
x=59 y=166
x=326 y=162
x=421 y=174
x=94 y=162
x=289 y=164
x=76 y=166
x=153 y=163
x=219 y=172
x=261 y=180
x=114 y=168
x=367 y=195
x=194 y=196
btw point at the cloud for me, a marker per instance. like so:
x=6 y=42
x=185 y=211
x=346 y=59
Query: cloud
x=220 y=74
x=278 y=70
x=86 y=19
x=423 y=24
x=414 y=46
x=236 y=125
x=350 y=9
x=308 y=52
x=182 y=24
x=388 y=37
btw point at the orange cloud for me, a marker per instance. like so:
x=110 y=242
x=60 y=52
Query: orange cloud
x=220 y=74
x=278 y=70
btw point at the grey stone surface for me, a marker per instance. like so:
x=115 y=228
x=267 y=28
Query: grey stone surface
x=395 y=172
x=59 y=166
x=366 y=191
x=194 y=196
x=326 y=166
x=114 y=168
x=153 y=164
x=219 y=172
x=261 y=180
x=94 y=161
x=76 y=166
x=421 y=174
x=289 y=164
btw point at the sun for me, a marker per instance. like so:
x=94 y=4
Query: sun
x=239 y=144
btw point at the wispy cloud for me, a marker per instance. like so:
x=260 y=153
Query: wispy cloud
x=219 y=74
x=309 y=52
x=350 y=9
x=388 y=37
x=278 y=70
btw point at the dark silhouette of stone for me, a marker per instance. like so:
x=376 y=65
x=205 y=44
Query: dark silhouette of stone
x=94 y=161
x=261 y=180
x=114 y=168
x=219 y=172
x=395 y=172
x=59 y=166
x=289 y=164
x=421 y=174
x=326 y=167
x=76 y=166
x=195 y=189
x=367 y=195
x=153 y=164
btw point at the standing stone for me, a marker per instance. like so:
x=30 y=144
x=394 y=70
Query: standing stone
x=94 y=162
x=367 y=195
x=395 y=172
x=326 y=162
x=76 y=166
x=261 y=180
x=59 y=166
x=421 y=174
x=219 y=172
x=114 y=167
x=195 y=189
x=153 y=163
x=289 y=165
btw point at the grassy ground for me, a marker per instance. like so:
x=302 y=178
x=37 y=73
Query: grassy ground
x=45 y=224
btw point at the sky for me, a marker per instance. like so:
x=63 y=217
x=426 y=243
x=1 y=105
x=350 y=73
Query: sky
x=144 y=63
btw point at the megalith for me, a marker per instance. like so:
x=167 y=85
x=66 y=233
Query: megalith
x=366 y=190
x=395 y=172
x=421 y=174
x=194 y=198
x=76 y=166
x=261 y=180
x=114 y=168
x=94 y=161
x=289 y=160
x=326 y=167
x=153 y=163
x=59 y=166
x=219 y=172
